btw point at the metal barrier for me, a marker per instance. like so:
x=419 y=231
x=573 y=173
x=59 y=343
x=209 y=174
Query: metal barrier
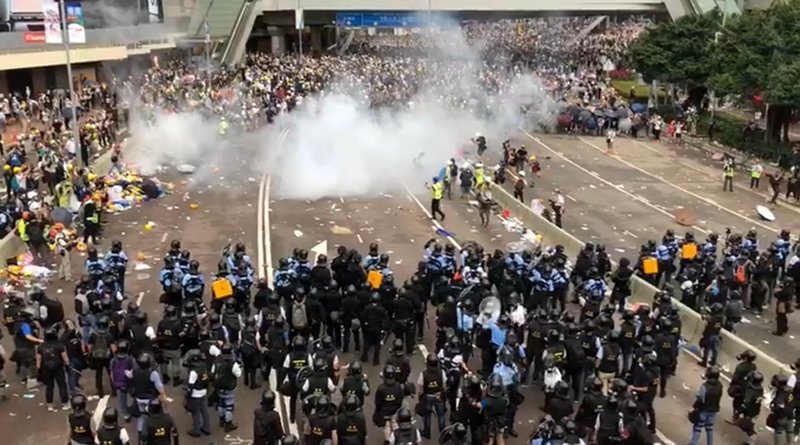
x=692 y=324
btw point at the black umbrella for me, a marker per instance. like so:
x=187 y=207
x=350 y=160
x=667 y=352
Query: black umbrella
x=611 y=114
x=584 y=115
x=599 y=113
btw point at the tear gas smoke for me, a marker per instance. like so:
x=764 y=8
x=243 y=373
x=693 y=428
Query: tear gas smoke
x=337 y=146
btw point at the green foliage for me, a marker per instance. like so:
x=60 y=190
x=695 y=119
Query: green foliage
x=729 y=132
x=677 y=52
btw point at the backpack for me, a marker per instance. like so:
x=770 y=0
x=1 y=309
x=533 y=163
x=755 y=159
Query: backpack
x=740 y=276
x=49 y=356
x=519 y=185
x=299 y=316
x=101 y=350
x=119 y=366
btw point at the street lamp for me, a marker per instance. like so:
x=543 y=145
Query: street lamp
x=72 y=96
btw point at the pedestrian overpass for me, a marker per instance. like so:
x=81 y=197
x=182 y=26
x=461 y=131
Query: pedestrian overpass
x=227 y=24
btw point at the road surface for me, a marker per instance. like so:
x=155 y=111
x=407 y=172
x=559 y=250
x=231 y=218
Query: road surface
x=629 y=198
x=241 y=208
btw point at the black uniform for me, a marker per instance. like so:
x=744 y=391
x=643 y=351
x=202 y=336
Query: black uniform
x=267 y=427
x=373 y=320
x=80 y=429
x=159 y=429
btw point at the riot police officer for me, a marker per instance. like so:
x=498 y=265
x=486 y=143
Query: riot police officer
x=405 y=433
x=432 y=394
x=356 y=383
x=495 y=405
x=226 y=373
x=388 y=400
x=110 y=433
x=321 y=423
x=196 y=393
x=169 y=345
x=80 y=422
x=351 y=427
x=159 y=428
x=267 y=425
x=296 y=360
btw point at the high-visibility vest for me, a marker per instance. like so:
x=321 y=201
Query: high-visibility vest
x=436 y=190
x=479 y=177
x=22 y=229
x=756 y=173
x=729 y=171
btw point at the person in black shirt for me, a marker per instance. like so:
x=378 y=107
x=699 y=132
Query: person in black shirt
x=373 y=321
x=52 y=361
x=159 y=428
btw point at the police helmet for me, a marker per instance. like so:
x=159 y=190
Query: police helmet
x=389 y=372
x=170 y=311
x=175 y=244
x=299 y=343
x=302 y=254
x=103 y=322
x=327 y=342
x=595 y=383
x=123 y=347
x=110 y=418
x=756 y=377
x=459 y=431
x=557 y=433
x=351 y=403
x=356 y=368
x=432 y=361
x=397 y=347
x=403 y=415
x=145 y=361
x=375 y=298
x=279 y=321
x=323 y=404
x=320 y=364
x=78 y=403
x=214 y=320
x=155 y=406
x=712 y=373
x=268 y=399
x=613 y=336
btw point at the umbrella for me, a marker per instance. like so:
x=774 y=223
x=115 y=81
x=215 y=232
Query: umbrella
x=62 y=215
x=638 y=107
x=599 y=113
x=590 y=123
x=585 y=115
x=611 y=114
x=622 y=113
x=624 y=124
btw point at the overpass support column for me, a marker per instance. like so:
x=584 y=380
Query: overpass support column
x=277 y=37
x=316 y=39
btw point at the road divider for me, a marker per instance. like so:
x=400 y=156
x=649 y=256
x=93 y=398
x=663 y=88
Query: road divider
x=641 y=291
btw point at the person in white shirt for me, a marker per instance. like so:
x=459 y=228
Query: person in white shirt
x=610 y=135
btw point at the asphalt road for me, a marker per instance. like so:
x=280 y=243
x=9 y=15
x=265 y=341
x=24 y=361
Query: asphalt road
x=626 y=199
x=237 y=208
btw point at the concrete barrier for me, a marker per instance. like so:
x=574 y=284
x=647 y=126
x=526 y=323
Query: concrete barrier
x=641 y=291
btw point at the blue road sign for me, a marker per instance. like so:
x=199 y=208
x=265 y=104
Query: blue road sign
x=407 y=19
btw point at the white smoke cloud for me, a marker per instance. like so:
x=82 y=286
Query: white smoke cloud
x=337 y=146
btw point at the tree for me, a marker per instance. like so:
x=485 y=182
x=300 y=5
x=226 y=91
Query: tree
x=756 y=54
x=678 y=52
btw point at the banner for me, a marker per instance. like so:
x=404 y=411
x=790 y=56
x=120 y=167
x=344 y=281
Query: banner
x=52 y=22
x=76 y=26
x=76 y=30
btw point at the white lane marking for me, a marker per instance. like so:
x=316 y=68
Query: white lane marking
x=97 y=416
x=608 y=183
x=630 y=234
x=164 y=238
x=679 y=188
x=436 y=224
x=139 y=299
x=265 y=263
x=571 y=198
x=735 y=184
x=358 y=236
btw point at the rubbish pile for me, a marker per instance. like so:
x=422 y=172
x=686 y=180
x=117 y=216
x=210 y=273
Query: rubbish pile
x=24 y=275
x=126 y=187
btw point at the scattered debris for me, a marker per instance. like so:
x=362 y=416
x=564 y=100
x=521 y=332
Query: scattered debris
x=298 y=233
x=339 y=230
x=188 y=169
